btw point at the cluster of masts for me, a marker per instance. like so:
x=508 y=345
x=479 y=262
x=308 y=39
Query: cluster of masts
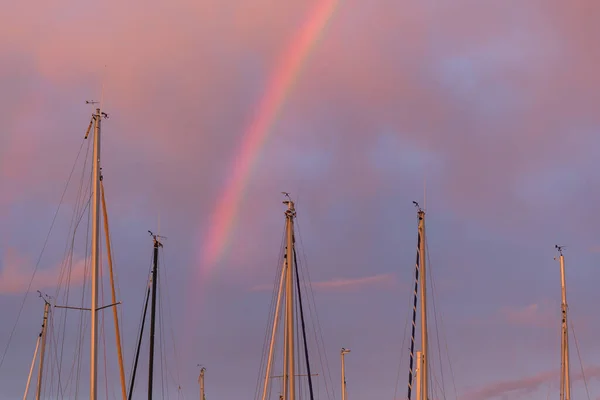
x=289 y=276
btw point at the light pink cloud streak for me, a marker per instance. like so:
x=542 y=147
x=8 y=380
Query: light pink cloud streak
x=17 y=271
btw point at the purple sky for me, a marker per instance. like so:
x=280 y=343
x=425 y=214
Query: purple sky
x=494 y=102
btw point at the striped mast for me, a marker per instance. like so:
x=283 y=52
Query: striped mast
x=419 y=281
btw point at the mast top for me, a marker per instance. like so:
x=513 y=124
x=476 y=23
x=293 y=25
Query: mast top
x=44 y=297
x=345 y=351
x=97 y=114
x=157 y=242
x=420 y=211
x=291 y=211
x=560 y=249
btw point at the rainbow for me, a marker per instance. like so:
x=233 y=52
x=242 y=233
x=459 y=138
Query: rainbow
x=279 y=87
x=228 y=203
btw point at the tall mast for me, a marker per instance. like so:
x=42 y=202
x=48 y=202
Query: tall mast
x=423 y=378
x=157 y=244
x=343 y=352
x=565 y=378
x=95 y=256
x=289 y=379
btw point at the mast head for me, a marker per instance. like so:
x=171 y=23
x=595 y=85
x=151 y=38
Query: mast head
x=156 y=237
x=291 y=211
x=560 y=249
x=44 y=297
x=344 y=351
x=419 y=209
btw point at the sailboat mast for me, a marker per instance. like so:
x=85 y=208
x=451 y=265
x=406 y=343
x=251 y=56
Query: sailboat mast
x=95 y=256
x=289 y=379
x=157 y=244
x=423 y=279
x=565 y=379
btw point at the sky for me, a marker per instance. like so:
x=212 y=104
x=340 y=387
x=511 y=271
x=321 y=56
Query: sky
x=483 y=111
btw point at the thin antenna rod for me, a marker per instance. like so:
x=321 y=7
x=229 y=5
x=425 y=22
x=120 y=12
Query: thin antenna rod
x=424 y=190
x=102 y=89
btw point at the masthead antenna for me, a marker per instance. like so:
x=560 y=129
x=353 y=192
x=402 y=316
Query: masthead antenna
x=287 y=195
x=44 y=297
x=94 y=116
x=156 y=237
x=417 y=205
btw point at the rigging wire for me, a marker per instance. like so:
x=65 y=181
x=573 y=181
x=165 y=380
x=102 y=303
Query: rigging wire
x=580 y=361
x=402 y=348
x=68 y=255
x=315 y=317
x=437 y=330
x=37 y=264
x=270 y=320
x=444 y=335
x=170 y=323
x=135 y=360
x=310 y=384
x=119 y=310
x=102 y=322
x=83 y=321
x=161 y=336
x=138 y=343
x=418 y=262
x=55 y=356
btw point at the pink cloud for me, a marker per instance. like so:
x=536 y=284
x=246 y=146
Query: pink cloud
x=518 y=388
x=346 y=284
x=535 y=314
x=17 y=271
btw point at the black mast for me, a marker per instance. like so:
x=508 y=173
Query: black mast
x=137 y=352
x=157 y=244
x=414 y=313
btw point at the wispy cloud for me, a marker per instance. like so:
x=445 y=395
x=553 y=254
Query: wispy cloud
x=345 y=284
x=16 y=273
x=519 y=387
x=536 y=314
